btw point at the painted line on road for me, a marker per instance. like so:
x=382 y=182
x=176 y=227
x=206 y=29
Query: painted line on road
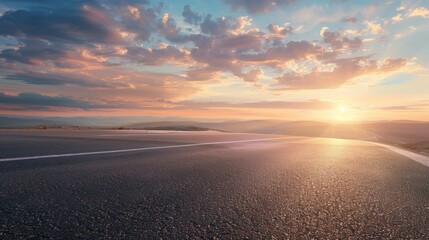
x=412 y=155
x=138 y=149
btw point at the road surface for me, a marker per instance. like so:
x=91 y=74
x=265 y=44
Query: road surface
x=278 y=187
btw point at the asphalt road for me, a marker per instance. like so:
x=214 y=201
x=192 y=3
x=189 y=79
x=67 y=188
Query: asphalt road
x=285 y=188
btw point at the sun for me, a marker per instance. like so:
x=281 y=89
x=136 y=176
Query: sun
x=342 y=114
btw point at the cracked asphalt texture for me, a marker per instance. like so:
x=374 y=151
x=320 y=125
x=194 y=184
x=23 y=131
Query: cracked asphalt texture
x=293 y=188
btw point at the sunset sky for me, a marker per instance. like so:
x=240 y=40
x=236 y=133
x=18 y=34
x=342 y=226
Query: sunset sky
x=333 y=60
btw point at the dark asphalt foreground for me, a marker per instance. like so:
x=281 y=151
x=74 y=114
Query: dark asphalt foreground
x=295 y=188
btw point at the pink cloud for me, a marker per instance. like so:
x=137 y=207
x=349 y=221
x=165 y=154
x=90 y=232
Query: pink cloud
x=345 y=70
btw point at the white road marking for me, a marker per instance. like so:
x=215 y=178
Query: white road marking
x=138 y=149
x=412 y=155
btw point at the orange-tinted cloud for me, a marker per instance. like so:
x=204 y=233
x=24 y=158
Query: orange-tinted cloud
x=344 y=71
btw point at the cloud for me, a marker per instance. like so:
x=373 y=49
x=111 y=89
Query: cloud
x=77 y=34
x=419 y=12
x=397 y=18
x=137 y=85
x=242 y=42
x=140 y=21
x=278 y=30
x=30 y=4
x=47 y=56
x=391 y=64
x=165 y=55
x=227 y=26
x=34 y=52
x=28 y=99
x=344 y=71
x=82 y=22
x=62 y=79
x=224 y=44
x=253 y=75
x=308 y=105
x=338 y=41
x=134 y=11
x=279 y=55
x=219 y=26
x=349 y=19
x=373 y=27
x=75 y=25
x=190 y=16
x=232 y=53
x=257 y=6
x=400 y=8
x=400 y=108
x=409 y=107
x=218 y=45
x=202 y=74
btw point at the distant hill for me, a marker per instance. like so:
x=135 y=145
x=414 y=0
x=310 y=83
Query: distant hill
x=249 y=126
x=396 y=132
x=7 y=121
x=13 y=122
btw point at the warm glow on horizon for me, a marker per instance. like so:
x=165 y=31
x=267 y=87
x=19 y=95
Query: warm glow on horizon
x=345 y=113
